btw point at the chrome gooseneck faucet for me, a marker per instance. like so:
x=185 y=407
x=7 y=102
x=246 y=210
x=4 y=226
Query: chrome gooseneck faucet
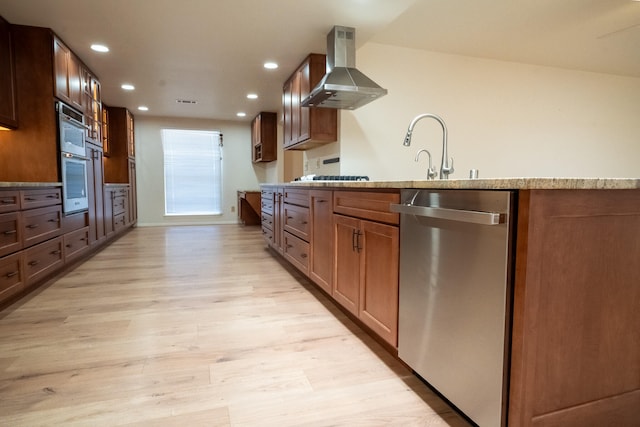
x=445 y=167
x=431 y=172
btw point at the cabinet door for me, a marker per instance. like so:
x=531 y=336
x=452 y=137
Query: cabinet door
x=287 y=112
x=321 y=266
x=295 y=108
x=379 y=264
x=8 y=109
x=304 y=87
x=133 y=192
x=346 y=279
x=68 y=75
x=95 y=184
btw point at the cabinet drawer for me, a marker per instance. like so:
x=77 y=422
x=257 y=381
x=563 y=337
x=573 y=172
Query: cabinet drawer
x=296 y=221
x=30 y=199
x=11 y=275
x=75 y=243
x=267 y=234
x=266 y=201
x=9 y=201
x=296 y=196
x=267 y=220
x=367 y=205
x=119 y=204
x=10 y=233
x=119 y=221
x=297 y=252
x=43 y=259
x=41 y=224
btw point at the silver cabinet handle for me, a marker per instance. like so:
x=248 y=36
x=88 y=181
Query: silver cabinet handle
x=475 y=217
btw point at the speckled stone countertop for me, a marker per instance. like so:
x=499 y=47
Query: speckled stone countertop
x=486 y=184
x=29 y=184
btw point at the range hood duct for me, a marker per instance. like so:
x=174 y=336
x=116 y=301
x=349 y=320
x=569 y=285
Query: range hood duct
x=343 y=86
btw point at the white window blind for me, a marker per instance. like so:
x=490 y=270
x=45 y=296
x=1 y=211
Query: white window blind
x=192 y=172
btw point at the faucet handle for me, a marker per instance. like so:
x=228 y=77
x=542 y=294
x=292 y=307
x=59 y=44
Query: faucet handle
x=448 y=168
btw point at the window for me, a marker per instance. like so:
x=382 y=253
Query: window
x=192 y=172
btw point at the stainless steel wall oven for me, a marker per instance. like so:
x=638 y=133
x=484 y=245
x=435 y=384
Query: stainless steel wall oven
x=73 y=159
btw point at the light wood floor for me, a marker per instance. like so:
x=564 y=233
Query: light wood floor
x=190 y=326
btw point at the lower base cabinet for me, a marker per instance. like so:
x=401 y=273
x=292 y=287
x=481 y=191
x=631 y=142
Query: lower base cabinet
x=43 y=259
x=11 y=275
x=366 y=273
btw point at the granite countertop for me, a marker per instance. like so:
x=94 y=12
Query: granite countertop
x=486 y=184
x=29 y=184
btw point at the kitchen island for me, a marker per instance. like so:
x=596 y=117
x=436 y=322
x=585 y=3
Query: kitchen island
x=573 y=328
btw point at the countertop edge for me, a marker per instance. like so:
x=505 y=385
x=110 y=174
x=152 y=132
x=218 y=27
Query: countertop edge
x=483 y=184
x=29 y=184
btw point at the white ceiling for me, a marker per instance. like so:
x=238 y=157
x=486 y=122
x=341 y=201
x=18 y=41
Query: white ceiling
x=212 y=51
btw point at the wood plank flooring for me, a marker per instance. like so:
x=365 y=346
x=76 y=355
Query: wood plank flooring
x=197 y=326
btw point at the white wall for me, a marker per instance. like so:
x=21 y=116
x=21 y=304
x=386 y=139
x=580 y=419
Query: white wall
x=238 y=171
x=505 y=119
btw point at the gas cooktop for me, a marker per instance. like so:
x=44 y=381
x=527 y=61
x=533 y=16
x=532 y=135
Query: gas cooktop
x=332 y=178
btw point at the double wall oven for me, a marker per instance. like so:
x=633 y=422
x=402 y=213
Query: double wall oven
x=73 y=159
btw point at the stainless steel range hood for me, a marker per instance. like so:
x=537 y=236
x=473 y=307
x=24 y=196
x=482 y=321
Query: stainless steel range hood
x=343 y=87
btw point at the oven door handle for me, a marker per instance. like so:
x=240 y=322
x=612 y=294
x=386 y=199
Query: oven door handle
x=74 y=156
x=474 y=217
x=73 y=121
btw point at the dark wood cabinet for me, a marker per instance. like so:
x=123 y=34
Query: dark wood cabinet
x=307 y=127
x=121 y=146
x=68 y=73
x=95 y=182
x=264 y=137
x=249 y=207
x=8 y=107
x=321 y=240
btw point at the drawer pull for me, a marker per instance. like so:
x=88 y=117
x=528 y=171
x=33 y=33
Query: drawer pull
x=8 y=232
x=32 y=226
x=303 y=222
x=69 y=245
x=7 y=201
x=52 y=196
x=52 y=220
x=56 y=252
x=303 y=255
x=11 y=274
x=34 y=262
x=29 y=199
x=289 y=246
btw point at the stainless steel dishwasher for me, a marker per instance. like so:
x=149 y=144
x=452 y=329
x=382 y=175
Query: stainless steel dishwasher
x=454 y=295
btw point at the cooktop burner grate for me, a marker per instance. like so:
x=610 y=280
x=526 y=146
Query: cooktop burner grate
x=333 y=178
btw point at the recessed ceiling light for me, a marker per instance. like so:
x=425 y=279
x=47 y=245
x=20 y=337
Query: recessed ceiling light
x=128 y=86
x=270 y=65
x=143 y=108
x=241 y=114
x=252 y=96
x=99 y=48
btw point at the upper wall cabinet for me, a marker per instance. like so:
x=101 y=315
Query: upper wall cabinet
x=8 y=110
x=307 y=127
x=68 y=75
x=264 y=137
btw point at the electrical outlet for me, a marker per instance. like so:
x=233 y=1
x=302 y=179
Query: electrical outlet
x=233 y=208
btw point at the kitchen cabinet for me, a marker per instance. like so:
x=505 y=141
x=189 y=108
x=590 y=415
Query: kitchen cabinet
x=8 y=106
x=68 y=73
x=366 y=273
x=575 y=337
x=95 y=183
x=121 y=146
x=92 y=101
x=120 y=164
x=296 y=227
x=12 y=278
x=271 y=201
x=307 y=127
x=264 y=137
x=10 y=232
x=321 y=239
x=366 y=259
x=75 y=244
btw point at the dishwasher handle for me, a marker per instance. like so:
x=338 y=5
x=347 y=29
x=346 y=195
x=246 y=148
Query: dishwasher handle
x=474 y=217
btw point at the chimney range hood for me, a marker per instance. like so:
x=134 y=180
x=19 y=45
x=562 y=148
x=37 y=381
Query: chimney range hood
x=343 y=86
